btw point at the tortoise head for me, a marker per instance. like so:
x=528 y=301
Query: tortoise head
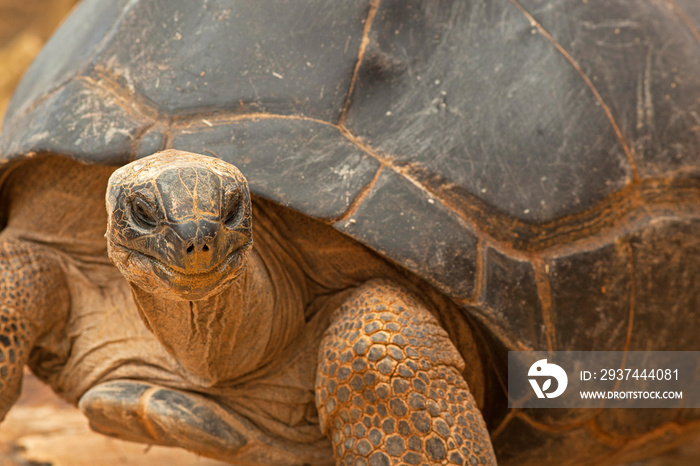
x=179 y=224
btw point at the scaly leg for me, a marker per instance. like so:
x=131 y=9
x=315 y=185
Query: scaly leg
x=389 y=388
x=34 y=299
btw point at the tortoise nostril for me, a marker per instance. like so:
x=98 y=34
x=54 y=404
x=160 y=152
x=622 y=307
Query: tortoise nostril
x=191 y=248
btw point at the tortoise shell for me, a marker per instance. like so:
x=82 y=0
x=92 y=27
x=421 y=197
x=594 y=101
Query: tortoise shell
x=538 y=162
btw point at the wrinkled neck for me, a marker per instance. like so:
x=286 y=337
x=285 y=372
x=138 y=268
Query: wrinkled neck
x=233 y=332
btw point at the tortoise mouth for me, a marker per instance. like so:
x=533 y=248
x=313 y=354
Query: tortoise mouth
x=170 y=271
x=155 y=276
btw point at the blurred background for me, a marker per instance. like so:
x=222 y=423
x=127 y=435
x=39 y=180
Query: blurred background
x=24 y=27
x=41 y=429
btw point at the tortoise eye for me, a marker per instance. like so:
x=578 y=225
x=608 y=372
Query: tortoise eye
x=233 y=211
x=143 y=213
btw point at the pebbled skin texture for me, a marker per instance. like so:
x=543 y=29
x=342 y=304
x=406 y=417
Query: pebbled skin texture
x=14 y=346
x=389 y=387
x=33 y=299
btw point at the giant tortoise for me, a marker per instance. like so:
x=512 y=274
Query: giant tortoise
x=432 y=184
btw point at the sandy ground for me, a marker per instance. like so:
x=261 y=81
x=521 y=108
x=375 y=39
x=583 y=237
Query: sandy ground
x=24 y=27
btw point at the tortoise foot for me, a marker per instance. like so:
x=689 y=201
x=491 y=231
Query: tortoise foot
x=390 y=389
x=147 y=413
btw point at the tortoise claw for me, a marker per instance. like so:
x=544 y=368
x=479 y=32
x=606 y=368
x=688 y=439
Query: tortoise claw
x=147 y=413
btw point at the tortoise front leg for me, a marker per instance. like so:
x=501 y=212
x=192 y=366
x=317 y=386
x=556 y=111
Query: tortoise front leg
x=15 y=341
x=389 y=388
x=149 y=413
x=34 y=300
